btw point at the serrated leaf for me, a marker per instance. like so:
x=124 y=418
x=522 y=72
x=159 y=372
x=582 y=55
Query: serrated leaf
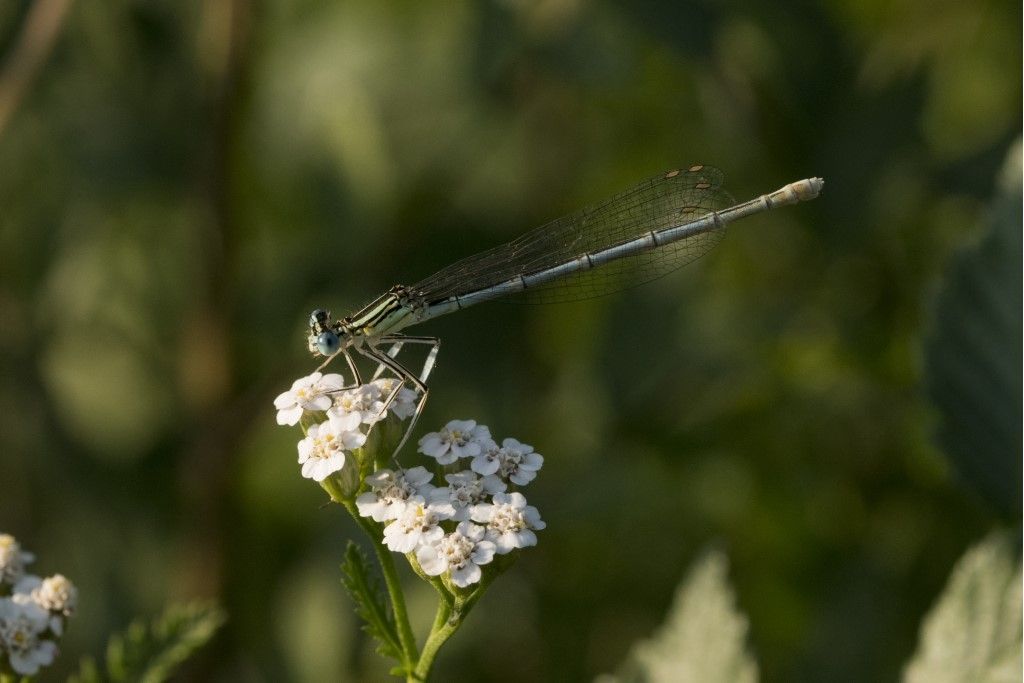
x=703 y=639
x=149 y=653
x=973 y=633
x=972 y=353
x=357 y=577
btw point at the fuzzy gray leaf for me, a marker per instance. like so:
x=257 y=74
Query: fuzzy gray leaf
x=973 y=633
x=704 y=636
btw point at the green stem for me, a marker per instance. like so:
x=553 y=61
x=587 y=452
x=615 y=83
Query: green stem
x=387 y=565
x=447 y=620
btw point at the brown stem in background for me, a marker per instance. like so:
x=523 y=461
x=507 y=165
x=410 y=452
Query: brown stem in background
x=208 y=381
x=31 y=49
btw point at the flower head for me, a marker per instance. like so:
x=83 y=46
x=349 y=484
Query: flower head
x=458 y=439
x=55 y=594
x=460 y=553
x=21 y=625
x=390 y=491
x=510 y=521
x=12 y=559
x=364 y=401
x=466 y=489
x=518 y=462
x=405 y=401
x=307 y=393
x=322 y=452
x=418 y=523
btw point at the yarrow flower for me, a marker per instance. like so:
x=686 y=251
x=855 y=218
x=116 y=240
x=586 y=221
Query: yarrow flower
x=32 y=615
x=421 y=516
x=22 y=625
x=343 y=418
x=55 y=594
x=364 y=401
x=322 y=452
x=466 y=489
x=458 y=439
x=518 y=463
x=406 y=400
x=12 y=560
x=307 y=393
x=460 y=553
x=510 y=521
x=390 y=491
x=419 y=522
x=453 y=530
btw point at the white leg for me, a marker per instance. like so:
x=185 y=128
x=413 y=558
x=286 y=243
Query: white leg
x=404 y=377
x=428 y=364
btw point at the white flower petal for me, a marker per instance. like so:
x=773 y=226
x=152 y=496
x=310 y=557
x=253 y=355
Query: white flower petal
x=430 y=561
x=467 y=574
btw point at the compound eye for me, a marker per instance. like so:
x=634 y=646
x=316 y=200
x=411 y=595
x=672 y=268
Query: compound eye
x=328 y=343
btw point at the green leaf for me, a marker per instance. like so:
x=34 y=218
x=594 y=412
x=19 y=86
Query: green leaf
x=704 y=636
x=88 y=672
x=149 y=653
x=973 y=360
x=973 y=633
x=370 y=605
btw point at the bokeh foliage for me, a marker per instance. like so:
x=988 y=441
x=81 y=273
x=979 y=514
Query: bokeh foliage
x=185 y=180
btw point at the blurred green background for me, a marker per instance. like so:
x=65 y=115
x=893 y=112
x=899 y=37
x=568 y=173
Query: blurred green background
x=182 y=182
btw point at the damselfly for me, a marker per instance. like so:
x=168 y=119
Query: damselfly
x=636 y=236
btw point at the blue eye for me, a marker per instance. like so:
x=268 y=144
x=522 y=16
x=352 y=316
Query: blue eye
x=328 y=343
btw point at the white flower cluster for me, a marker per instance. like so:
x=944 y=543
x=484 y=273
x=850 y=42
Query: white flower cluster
x=32 y=611
x=459 y=527
x=455 y=528
x=343 y=417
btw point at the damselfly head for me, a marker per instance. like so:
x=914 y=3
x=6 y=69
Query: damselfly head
x=323 y=338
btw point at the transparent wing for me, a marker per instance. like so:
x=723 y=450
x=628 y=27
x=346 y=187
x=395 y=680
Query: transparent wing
x=665 y=201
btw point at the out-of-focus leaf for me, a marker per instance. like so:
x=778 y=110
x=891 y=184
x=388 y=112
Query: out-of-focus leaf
x=151 y=652
x=357 y=576
x=973 y=360
x=704 y=636
x=973 y=634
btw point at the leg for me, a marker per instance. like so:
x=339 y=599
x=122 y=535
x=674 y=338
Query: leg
x=392 y=352
x=356 y=377
x=404 y=376
x=433 y=342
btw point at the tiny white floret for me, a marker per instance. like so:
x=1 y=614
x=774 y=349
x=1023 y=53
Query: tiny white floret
x=466 y=489
x=458 y=439
x=406 y=400
x=21 y=625
x=418 y=523
x=55 y=594
x=460 y=553
x=389 y=492
x=364 y=401
x=510 y=521
x=12 y=559
x=518 y=462
x=307 y=393
x=322 y=452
